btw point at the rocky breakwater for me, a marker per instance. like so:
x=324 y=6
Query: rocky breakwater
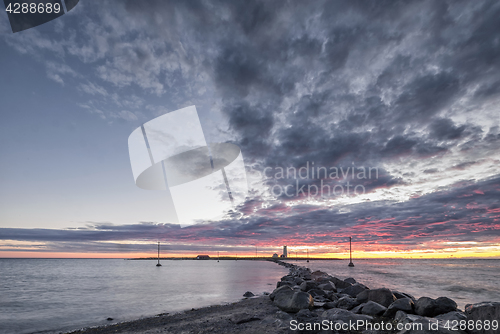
x=316 y=302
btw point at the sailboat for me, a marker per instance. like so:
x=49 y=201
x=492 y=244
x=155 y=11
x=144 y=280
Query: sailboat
x=158 y=264
x=307 y=255
x=217 y=256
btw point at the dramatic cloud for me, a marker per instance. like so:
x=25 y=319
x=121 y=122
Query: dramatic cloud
x=410 y=89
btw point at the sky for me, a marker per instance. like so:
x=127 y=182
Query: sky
x=408 y=90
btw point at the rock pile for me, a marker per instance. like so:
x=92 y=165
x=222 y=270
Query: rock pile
x=313 y=297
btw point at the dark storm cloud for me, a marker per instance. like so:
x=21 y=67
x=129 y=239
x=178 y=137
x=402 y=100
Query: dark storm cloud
x=325 y=81
x=250 y=66
x=262 y=63
x=336 y=83
x=444 y=129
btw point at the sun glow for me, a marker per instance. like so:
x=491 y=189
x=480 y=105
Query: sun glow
x=449 y=250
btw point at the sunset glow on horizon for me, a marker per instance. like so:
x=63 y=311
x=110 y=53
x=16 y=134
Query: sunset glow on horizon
x=303 y=127
x=360 y=251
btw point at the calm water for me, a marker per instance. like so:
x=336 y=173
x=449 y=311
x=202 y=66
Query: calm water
x=465 y=281
x=52 y=295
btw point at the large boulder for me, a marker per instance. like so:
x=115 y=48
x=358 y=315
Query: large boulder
x=287 y=278
x=425 y=307
x=374 y=309
x=303 y=273
x=400 y=295
x=350 y=280
x=248 y=294
x=340 y=284
x=308 y=285
x=357 y=309
x=298 y=280
x=329 y=305
x=355 y=289
x=319 y=276
x=318 y=293
x=403 y=304
x=347 y=303
x=281 y=289
x=287 y=283
x=429 y=307
x=282 y=295
x=328 y=286
x=444 y=305
x=331 y=295
x=337 y=315
x=294 y=301
x=483 y=311
x=382 y=296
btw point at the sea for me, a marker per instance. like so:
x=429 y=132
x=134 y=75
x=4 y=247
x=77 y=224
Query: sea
x=60 y=295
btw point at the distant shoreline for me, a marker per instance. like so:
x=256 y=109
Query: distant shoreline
x=229 y=258
x=249 y=258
